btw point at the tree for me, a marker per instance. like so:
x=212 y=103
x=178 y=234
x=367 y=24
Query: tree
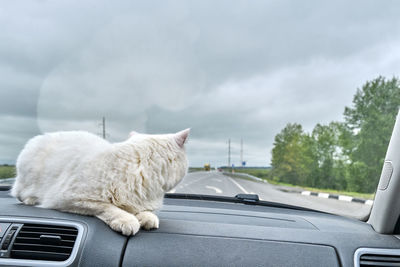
x=291 y=155
x=342 y=155
x=326 y=149
x=356 y=179
x=371 y=120
x=329 y=147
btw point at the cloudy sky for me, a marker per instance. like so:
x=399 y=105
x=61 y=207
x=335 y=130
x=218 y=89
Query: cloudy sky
x=226 y=69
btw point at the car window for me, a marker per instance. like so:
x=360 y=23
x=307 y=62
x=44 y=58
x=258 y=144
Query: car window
x=292 y=101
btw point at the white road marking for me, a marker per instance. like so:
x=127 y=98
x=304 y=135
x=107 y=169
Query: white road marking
x=342 y=198
x=217 y=190
x=346 y=198
x=172 y=191
x=195 y=181
x=323 y=195
x=238 y=185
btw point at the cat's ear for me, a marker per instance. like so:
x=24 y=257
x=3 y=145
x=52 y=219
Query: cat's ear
x=133 y=133
x=181 y=137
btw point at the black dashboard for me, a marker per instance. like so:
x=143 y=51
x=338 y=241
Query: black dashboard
x=196 y=232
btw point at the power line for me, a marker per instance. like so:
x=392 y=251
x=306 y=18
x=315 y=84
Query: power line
x=104 y=127
x=229 y=152
x=241 y=151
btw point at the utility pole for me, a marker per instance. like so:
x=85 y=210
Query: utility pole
x=241 y=151
x=229 y=153
x=104 y=127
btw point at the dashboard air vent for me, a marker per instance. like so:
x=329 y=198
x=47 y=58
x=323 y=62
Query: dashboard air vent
x=44 y=242
x=379 y=260
x=367 y=257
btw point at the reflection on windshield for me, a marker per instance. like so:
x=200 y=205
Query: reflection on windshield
x=290 y=101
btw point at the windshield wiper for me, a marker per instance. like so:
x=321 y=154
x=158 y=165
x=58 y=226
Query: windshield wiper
x=247 y=199
x=5 y=187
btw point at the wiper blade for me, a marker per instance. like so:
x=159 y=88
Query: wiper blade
x=251 y=199
x=247 y=198
x=5 y=187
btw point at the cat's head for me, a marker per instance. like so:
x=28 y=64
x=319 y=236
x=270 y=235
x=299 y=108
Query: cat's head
x=163 y=155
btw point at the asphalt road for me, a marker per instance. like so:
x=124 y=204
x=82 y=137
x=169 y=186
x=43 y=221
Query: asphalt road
x=215 y=183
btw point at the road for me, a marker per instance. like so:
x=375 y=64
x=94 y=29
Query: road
x=215 y=183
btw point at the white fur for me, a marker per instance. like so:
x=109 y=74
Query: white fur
x=119 y=183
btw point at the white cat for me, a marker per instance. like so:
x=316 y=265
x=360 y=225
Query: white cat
x=119 y=183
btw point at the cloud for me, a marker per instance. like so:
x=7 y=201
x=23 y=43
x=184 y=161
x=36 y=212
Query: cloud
x=256 y=109
x=227 y=70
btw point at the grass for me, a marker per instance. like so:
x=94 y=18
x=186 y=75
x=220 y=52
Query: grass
x=7 y=171
x=264 y=174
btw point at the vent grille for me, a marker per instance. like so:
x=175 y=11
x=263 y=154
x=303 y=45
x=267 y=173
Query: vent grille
x=44 y=242
x=379 y=260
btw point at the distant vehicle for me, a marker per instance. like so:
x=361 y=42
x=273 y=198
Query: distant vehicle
x=207 y=167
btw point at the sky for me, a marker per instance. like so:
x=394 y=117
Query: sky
x=226 y=69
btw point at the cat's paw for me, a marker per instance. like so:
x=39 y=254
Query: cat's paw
x=127 y=225
x=30 y=201
x=148 y=220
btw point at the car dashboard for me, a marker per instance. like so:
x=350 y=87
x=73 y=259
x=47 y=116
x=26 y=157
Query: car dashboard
x=195 y=232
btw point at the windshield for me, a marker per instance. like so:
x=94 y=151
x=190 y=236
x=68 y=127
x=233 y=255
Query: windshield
x=294 y=101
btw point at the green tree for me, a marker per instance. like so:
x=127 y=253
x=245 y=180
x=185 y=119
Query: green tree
x=357 y=173
x=324 y=147
x=291 y=155
x=346 y=155
x=329 y=156
x=371 y=120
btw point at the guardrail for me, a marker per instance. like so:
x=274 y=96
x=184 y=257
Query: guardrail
x=244 y=175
